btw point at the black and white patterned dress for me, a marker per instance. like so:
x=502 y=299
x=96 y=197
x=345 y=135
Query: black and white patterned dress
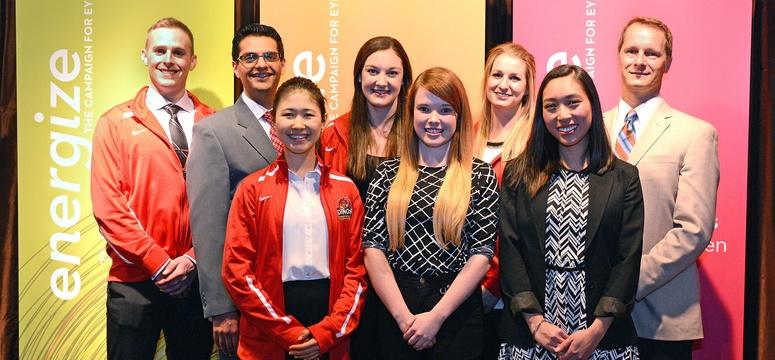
x=565 y=303
x=422 y=254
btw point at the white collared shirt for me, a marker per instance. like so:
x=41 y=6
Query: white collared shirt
x=645 y=112
x=305 y=230
x=155 y=103
x=490 y=153
x=258 y=111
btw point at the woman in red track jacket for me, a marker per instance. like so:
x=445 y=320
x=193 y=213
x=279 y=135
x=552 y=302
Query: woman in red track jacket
x=253 y=269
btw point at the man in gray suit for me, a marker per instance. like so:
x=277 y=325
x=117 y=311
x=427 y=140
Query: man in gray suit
x=677 y=157
x=226 y=147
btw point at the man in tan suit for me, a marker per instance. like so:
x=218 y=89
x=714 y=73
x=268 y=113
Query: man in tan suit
x=677 y=157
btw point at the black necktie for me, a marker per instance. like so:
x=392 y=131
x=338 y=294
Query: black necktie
x=177 y=135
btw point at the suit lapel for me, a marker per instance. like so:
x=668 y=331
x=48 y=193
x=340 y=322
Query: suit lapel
x=254 y=133
x=599 y=192
x=538 y=212
x=610 y=122
x=654 y=129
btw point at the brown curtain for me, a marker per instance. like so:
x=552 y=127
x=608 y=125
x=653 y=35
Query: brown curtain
x=498 y=24
x=760 y=266
x=9 y=309
x=760 y=249
x=245 y=12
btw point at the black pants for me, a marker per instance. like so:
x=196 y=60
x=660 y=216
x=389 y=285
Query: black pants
x=491 y=342
x=137 y=312
x=664 y=350
x=364 y=341
x=460 y=337
x=307 y=301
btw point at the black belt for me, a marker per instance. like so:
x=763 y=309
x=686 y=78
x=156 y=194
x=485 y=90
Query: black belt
x=578 y=267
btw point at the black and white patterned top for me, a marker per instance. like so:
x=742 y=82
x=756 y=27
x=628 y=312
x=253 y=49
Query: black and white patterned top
x=565 y=303
x=421 y=254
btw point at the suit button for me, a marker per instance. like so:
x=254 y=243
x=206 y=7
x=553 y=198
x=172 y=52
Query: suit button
x=422 y=280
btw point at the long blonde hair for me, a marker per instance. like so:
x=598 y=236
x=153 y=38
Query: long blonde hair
x=520 y=132
x=452 y=201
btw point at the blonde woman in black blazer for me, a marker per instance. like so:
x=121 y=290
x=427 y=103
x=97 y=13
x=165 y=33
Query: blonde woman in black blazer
x=572 y=229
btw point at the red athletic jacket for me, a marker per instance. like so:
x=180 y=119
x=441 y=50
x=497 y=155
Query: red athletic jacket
x=252 y=264
x=492 y=280
x=138 y=191
x=335 y=143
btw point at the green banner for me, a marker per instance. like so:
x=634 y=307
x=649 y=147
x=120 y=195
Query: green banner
x=76 y=59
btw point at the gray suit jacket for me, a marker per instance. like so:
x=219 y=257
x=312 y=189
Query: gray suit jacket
x=677 y=158
x=226 y=147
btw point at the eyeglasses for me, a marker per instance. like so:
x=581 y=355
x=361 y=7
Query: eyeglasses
x=251 y=57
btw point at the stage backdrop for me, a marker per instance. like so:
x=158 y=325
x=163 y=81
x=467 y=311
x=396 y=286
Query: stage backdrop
x=709 y=78
x=76 y=60
x=321 y=40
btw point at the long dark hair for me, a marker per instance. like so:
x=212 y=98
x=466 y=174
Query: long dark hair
x=542 y=155
x=360 y=134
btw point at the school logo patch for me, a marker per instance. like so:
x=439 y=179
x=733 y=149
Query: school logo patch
x=344 y=209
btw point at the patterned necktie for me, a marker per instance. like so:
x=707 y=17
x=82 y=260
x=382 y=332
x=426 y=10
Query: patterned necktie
x=177 y=135
x=626 y=139
x=276 y=143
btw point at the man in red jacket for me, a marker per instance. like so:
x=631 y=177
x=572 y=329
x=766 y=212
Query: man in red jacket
x=139 y=199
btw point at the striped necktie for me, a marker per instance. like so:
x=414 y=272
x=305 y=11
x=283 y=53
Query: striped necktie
x=177 y=136
x=276 y=143
x=625 y=142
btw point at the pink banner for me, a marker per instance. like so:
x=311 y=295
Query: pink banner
x=709 y=78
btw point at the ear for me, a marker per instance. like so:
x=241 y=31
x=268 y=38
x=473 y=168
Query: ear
x=234 y=65
x=144 y=57
x=193 y=63
x=668 y=63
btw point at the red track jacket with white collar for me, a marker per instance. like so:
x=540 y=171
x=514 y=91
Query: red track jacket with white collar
x=252 y=264
x=138 y=191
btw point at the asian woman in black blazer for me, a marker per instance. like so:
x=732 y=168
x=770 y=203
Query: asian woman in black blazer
x=571 y=232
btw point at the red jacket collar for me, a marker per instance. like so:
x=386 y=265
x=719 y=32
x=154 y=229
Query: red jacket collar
x=282 y=170
x=141 y=111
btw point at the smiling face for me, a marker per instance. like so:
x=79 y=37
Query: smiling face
x=298 y=121
x=435 y=123
x=506 y=83
x=169 y=57
x=259 y=79
x=567 y=113
x=642 y=62
x=381 y=78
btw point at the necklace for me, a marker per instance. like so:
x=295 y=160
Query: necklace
x=381 y=132
x=384 y=130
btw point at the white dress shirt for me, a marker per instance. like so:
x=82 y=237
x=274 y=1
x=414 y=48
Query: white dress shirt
x=645 y=111
x=305 y=230
x=490 y=153
x=155 y=103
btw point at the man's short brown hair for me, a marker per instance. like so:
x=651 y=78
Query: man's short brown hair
x=172 y=23
x=647 y=21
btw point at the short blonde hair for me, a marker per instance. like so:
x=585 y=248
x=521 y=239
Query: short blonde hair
x=653 y=22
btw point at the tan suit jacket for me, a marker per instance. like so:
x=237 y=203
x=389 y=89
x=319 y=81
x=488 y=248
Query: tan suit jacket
x=677 y=158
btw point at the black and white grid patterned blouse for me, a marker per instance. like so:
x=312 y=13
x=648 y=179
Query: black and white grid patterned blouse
x=421 y=254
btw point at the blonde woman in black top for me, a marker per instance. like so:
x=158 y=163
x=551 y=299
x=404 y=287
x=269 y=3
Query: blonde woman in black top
x=430 y=228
